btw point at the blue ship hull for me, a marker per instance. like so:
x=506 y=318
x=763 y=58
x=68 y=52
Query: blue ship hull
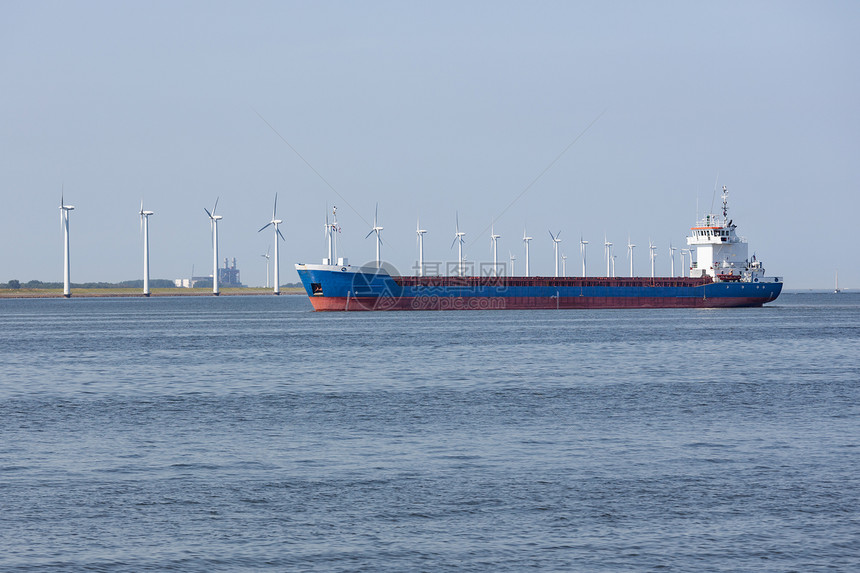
x=350 y=288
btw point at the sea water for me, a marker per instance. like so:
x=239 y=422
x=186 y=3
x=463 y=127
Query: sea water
x=249 y=433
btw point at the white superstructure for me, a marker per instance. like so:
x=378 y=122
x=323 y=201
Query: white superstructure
x=718 y=251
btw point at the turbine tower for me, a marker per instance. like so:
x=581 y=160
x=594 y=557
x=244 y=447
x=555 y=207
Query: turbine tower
x=335 y=229
x=684 y=266
x=607 y=251
x=274 y=223
x=630 y=247
x=583 y=245
x=555 y=242
x=378 y=230
x=494 y=239
x=653 y=249
x=513 y=258
x=213 y=221
x=420 y=232
x=563 y=265
x=329 y=230
x=64 y=219
x=266 y=256
x=526 y=241
x=144 y=221
x=672 y=258
x=458 y=238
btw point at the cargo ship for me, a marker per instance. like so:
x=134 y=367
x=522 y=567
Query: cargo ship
x=720 y=274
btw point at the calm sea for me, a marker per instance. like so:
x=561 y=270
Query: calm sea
x=249 y=433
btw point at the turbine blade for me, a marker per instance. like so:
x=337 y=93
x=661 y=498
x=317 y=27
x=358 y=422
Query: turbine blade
x=207 y=212
x=216 y=205
x=266 y=227
x=369 y=234
x=281 y=235
x=275 y=208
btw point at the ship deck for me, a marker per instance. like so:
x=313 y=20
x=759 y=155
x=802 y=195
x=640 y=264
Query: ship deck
x=478 y=282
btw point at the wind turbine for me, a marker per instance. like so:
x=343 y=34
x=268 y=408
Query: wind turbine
x=672 y=257
x=653 y=249
x=335 y=229
x=630 y=247
x=266 y=256
x=420 y=232
x=213 y=221
x=64 y=220
x=583 y=245
x=613 y=265
x=607 y=250
x=526 y=241
x=555 y=242
x=329 y=230
x=144 y=221
x=685 y=252
x=378 y=230
x=274 y=223
x=563 y=265
x=494 y=239
x=513 y=258
x=458 y=238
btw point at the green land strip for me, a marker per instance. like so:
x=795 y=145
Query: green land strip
x=136 y=292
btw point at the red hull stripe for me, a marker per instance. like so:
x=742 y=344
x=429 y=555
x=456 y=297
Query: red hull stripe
x=514 y=303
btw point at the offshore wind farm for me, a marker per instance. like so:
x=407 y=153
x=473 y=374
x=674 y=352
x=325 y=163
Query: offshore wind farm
x=721 y=256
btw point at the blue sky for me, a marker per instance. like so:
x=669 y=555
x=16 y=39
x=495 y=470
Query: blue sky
x=429 y=109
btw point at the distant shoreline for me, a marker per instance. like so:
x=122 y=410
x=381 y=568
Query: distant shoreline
x=136 y=292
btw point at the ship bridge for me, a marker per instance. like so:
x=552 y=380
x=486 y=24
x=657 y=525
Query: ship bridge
x=718 y=250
